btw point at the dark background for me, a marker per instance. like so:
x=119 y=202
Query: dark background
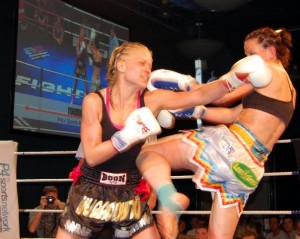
x=161 y=35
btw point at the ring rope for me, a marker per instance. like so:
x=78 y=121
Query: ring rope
x=260 y=212
x=45 y=152
x=44 y=180
x=42 y=210
x=285 y=141
x=265 y=175
x=172 y=177
x=281 y=141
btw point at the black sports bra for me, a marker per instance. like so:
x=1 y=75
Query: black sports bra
x=122 y=162
x=281 y=109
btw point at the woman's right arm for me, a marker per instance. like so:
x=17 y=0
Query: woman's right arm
x=95 y=150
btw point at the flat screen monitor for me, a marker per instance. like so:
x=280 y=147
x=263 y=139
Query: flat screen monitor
x=62 y=53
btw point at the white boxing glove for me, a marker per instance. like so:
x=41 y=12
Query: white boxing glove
x=139 y=125
x=194 y=113
x=170 y=80
x=251 y=69
x=166 y=119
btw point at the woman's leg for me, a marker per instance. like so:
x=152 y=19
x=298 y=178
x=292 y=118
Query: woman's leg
x=222 y=221
x=168 y=153
x=155 y=163
x=86 y=87
x=74 y=89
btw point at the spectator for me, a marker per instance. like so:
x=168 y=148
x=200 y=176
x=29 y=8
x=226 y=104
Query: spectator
x=196 y=221
x=297 y=228
x=240 y=227
x=201 y=231
x=95 y=59
x=46 y=224
x=212 y=77
x=21 y=15
x=276 y=231
x=181 y=229
x=289 y=226
x=112 y=42
x=249 y=235
x=40 y=15
x=80 y=65
x=193 y=223
x=58 y=31
x=255 y=227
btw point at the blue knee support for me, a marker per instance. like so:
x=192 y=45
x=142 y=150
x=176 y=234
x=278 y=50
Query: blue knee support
x=164 y=194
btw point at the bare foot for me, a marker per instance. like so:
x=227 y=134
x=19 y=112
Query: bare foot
x=167 y=221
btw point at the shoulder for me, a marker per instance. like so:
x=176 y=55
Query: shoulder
x=92 y=97
x=92 y=101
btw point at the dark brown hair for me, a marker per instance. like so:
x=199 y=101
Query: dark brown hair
x=48 y=189
x=248 y=233
x=280 y=39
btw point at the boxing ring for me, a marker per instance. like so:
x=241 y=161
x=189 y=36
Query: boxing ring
x=8 y=150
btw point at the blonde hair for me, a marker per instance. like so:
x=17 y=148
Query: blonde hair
x=120 y=53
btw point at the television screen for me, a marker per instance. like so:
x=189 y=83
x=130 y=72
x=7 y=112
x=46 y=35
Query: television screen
x=62 y=52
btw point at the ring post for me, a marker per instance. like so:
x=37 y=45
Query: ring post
x=9 y=205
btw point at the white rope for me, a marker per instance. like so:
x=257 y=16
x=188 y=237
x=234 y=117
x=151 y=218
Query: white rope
x=284 y=141
x=45 y=153
x=262 y=212
x=41 y=210
x=265 y=174
x=281 y=173
x=41 y=180
x=44 y=180
x=244 y=212
x=281 y=141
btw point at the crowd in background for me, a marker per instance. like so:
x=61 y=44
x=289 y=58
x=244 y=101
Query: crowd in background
x=250 y=227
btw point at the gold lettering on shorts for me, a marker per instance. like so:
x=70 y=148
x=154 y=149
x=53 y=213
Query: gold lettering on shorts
x=109 y=211
x=116 y=213
x=98 y=211
x=84 y=206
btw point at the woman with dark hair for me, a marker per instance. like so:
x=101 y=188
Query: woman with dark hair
x=228 y=159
